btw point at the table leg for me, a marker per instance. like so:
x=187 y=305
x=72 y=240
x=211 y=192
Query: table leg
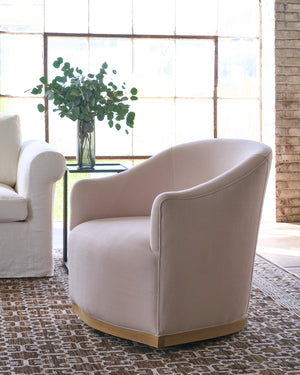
x=65 y=218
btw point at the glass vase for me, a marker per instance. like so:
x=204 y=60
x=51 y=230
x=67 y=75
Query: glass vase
x=86 y=144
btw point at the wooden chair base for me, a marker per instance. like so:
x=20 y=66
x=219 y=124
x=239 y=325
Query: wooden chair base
x=161 y=341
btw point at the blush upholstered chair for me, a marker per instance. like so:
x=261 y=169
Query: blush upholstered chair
x=163 y=253
x=28 y=173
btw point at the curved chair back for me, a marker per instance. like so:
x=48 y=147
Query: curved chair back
x=194 y=163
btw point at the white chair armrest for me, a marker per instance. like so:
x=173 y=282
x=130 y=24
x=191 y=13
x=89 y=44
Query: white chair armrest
x=39 y=167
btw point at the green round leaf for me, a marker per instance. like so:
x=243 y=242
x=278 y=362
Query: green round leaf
x=133 y=91
x=43 y=80
x=39 y=89
x=130 y=119
x=100 y=115
x=40 y=107
x=56 y=64
x=60 y=79
x=118 y=126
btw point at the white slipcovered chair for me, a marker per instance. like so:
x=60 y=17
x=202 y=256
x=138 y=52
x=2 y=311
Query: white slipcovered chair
x=28 y=173
x=163 y=253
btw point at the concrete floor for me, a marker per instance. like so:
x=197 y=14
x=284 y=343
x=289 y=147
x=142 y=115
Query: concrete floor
x=278 y=242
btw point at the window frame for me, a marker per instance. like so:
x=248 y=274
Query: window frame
x=215 y=98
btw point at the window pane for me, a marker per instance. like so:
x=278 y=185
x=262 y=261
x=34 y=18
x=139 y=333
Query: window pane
x=62 y=133
x=238 y=68
x=239 y=119
x=72 y=50
x=111 y=17
x=154 y=67
x=20 y=70
x=194 y=68
x=32 y=121
x=154 y=126
x=194 y=17
x=111 y=142
x=66 y=16
x=194 y=120
x=118 y=55
x=154 y=17
x=22 y=16
x=239 y=18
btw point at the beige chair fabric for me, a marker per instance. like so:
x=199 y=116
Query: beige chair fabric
x=28 y=172
x=163 y=253
x=10 y=139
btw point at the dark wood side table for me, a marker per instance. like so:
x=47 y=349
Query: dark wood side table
x=74 y=168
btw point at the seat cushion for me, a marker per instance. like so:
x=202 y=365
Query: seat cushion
x=13 y=207
x=9 y=148
x=113 y=272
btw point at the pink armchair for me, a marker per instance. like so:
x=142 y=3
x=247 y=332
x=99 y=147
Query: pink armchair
x=163 y=253
x=28 y=172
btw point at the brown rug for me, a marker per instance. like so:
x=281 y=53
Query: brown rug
x=39 y=334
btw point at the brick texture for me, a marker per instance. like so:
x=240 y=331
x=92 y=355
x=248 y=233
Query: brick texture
x=287 y=60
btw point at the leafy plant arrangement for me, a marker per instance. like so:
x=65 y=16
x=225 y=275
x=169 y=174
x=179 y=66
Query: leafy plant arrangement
x=84 y=98
x=81 y=97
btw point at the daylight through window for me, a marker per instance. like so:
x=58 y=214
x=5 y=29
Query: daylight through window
x=195 y=63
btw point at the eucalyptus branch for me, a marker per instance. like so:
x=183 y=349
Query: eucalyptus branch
x=80 y=97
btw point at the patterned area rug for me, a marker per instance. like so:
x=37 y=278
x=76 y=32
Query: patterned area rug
x=39 y=334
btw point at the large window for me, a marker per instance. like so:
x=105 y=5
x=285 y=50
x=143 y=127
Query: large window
x=195 y=63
